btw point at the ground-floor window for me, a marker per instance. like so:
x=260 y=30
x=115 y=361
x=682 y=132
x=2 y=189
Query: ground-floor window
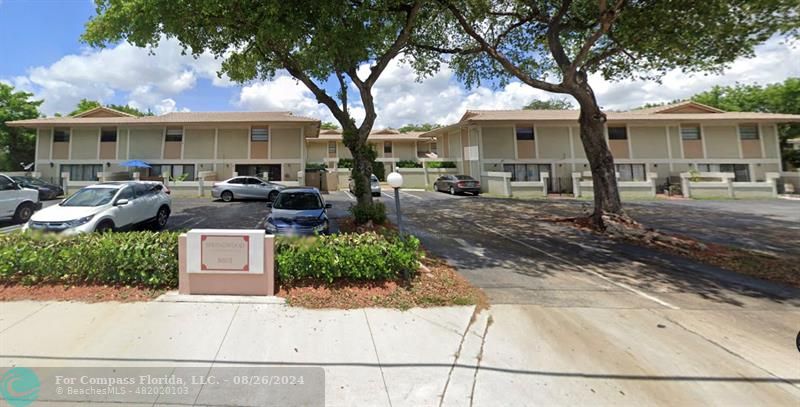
x=740 y=171
x=526 y=172
x=82 y=172
x=631 y=172
x=180 y=172
x=258 y=170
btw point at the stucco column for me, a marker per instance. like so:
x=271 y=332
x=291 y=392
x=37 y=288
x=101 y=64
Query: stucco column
x=576 y=184
x=652 y=177
x=685 y=184
x=65 y=182
x=545 y=177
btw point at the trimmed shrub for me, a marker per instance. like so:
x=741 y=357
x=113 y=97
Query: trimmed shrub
x=441 y=164
x=144 y=259
x=315 y=166
x=409 y=164
x=345 y=163
x=365 y=256
x=376 y=212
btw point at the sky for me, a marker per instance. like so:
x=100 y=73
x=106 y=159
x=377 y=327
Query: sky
x=41 y=52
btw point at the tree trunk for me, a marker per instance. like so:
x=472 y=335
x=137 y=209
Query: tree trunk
x=362 y=165
x=592 y=129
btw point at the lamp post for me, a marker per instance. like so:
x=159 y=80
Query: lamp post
x=395 y=180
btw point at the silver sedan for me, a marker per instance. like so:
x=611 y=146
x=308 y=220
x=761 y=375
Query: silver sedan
x=245 y=188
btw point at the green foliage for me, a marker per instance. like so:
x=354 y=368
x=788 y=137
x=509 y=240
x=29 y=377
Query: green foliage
x=409 y=164
x=379 y=170
x=365 y=256
x=144 y=259
x=345 y=163
x=550 y=104
x=315 y=166
x=86 y=105
x=16 y=145
x=418 y=127
x=376 y=212
x=329 y=126
x=441 y=164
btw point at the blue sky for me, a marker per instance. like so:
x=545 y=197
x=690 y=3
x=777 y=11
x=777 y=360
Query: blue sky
x=42 y=53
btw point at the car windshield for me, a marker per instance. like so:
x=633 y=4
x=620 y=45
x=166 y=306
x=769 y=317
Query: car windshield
x=298 y=201
x=91 y=197
x=465 y=178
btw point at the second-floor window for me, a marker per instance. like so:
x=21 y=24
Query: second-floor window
x=387 y=147
x=617 y=133
x=748 y=131
x=434 y=148
x=175 y=135
x=525 y=133
x=108 y=134
x=331 y=147
x=61 y=135
x=259 y=134
x=690 y=132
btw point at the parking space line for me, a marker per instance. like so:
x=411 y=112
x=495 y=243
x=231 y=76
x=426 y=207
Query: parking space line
x=350 y=196
x=411 y=195
x=387 y=195
x=595 y=273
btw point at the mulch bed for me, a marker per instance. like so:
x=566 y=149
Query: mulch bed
x=437 y=284
x=784 y=270
x=87 y=293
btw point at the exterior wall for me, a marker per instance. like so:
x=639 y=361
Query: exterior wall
x=770 y=139
x=232 y=144
x=405 y=150
x=146 y=143
x=648 y=142
x=198 y=143
x=172 y=149
x=553 y=142
x=619 y=148
x=577 y=143
x=43 y=143
x=108 y=150
x=721 y=141
x=84 y=143
x=122 y=144
x=751 y=148
x=343 y=151
x=674 y=141
x=285 y=143
x=316 y=152
x=498 y=142
x=692 y=148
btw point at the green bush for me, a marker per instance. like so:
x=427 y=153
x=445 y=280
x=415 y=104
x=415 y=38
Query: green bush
x=315 y=166
x=379 y=170
x=145 y=259
x=345 y=163
x=365 y=256
x=409 y=164
x=441 y=164
x=376 y=212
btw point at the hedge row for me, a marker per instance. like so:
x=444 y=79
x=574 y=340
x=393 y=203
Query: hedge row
x=149 y=259
x=365 y=256
x=146 y=259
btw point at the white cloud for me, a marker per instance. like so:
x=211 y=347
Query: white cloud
x=144 y=79
x=774 y=61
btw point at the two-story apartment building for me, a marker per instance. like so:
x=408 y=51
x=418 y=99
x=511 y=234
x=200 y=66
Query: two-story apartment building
x=391 y=147
x=666 y=140
x=180 y=144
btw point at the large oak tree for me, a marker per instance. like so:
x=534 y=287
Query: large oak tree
x=319 y=43
x=556 y=45
x=17 y=145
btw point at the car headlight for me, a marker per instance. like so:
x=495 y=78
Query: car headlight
x=322 y=226
x=79 y=222
x=270 y=226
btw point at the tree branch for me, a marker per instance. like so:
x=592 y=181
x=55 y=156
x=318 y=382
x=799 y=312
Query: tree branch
x=398 y=44
x=606 y=20
x=442 y=50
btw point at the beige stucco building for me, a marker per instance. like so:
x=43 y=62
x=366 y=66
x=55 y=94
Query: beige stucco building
x=665 y=141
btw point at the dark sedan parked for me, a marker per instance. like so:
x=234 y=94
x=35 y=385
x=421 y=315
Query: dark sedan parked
x=298 y=211
x=457 y=184
x=46 y=190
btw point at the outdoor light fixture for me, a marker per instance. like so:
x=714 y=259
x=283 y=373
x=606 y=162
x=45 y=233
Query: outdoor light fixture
x=395 y=181
x=108 y=164
x=52 y=165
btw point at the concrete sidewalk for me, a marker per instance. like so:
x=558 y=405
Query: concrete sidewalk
x=510 y=355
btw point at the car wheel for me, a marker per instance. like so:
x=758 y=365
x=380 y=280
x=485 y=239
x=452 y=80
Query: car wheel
x=452 y=191
x=227 y=196
x=104 y=227
x=272 y=195
x=23 y=213
x=162 y=217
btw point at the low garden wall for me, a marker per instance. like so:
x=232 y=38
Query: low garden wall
x=423 y=178
x=499 y=183
x=722 y=185
x=583 y=187
x=789 y=183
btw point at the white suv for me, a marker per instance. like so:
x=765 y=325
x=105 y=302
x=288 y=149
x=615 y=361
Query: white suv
x=107 y=206
x=16 y=202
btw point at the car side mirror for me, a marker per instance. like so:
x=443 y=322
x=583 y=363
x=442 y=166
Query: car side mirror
x=121 y=202
x=328 y=206
x=269 y=204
